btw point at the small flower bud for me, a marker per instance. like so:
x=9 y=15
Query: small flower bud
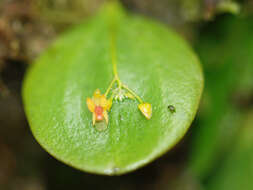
x=146 y=109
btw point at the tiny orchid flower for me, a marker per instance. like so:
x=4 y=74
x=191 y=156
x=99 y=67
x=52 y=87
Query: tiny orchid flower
x=99 y=106
x=146 y=109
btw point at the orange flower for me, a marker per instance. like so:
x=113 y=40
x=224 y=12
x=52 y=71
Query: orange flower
x=99 y=106
x=146 y=109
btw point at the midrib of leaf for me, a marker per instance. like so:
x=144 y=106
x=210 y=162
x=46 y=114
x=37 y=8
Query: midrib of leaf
x=113 y=34
x=112 y=38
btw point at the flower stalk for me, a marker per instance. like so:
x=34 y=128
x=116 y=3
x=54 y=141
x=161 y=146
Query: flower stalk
x=99 y=105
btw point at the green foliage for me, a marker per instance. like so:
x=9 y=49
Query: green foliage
x=226 y=52
x=236 y=172
x=153 y=61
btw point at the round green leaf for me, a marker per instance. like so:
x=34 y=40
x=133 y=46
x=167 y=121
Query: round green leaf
x=153 y=61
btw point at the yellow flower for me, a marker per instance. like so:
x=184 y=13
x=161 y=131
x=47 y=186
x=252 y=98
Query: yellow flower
x=146 y=109
x=99 y=106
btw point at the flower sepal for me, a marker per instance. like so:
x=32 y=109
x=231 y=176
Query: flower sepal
x=99 y=106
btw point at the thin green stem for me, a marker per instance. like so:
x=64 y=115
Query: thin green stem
x=113 y=46
x=112 y=32
x=132 y=92
x=114 y=60
x=110 y=87
x=113 y=54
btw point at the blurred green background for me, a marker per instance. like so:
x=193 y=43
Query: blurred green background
x=216 y=153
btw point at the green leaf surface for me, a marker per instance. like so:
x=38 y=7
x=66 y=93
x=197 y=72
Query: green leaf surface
x=153 y=61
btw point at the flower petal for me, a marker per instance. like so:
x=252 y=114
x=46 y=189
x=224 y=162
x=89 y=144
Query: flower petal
x=93 y=119
x=96 y=97
x=97 y=93
x=90 y=104
x=103 y=101
x=106 y=117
